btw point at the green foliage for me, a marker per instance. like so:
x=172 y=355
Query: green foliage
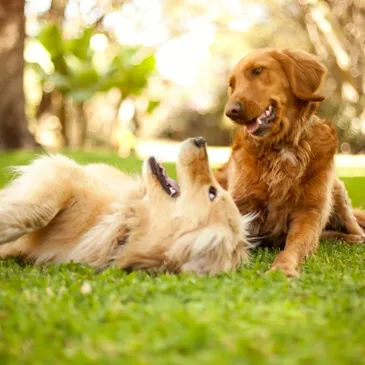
x=75 y=73
x=152 y=105
x=70 y=313
x=127 y=73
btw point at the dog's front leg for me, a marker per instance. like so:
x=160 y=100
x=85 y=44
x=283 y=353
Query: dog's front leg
x=306 y=223
x=302 y=240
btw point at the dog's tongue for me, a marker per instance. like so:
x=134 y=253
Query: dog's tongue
x=252 y=126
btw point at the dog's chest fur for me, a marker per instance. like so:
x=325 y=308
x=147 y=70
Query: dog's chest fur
x=272 y=185
x=270 y=180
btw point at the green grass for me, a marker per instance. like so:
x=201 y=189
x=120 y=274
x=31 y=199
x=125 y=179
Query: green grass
x=47 y=315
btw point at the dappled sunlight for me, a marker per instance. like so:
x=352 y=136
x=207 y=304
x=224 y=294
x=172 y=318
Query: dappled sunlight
x=167 y=65
x=117 y=81
x=182 y=59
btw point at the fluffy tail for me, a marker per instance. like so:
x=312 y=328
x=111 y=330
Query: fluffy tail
x=360 y=217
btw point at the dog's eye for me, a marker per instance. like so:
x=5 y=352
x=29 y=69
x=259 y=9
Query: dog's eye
x=212 y=193
x=256 y=71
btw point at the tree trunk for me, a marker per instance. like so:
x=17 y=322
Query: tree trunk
x=13 y=124
x=81 y=120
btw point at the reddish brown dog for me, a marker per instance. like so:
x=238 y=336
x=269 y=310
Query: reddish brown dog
x=282 y=161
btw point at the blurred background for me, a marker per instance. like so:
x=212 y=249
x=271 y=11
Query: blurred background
x=135 y=75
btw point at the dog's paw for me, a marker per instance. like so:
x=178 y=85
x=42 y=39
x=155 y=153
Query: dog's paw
x=355 y=238
x=9 y=230
x=287 y=265
x=9 y=233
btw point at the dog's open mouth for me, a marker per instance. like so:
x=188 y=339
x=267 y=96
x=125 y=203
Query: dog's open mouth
x=259 y=124
x=168 y=184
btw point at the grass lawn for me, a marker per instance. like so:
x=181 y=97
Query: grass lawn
x=69 y=313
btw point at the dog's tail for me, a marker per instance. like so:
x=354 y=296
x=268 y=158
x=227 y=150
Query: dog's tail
x=360 y=217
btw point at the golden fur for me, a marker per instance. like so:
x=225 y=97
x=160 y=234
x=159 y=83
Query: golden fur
x=59 y=211
x=282 y=161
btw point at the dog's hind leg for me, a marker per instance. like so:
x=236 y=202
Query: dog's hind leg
x=360 y=217
x=18 y=218
x=345 y=237
x=343 y=210
x=11 y=249
x=34 y=198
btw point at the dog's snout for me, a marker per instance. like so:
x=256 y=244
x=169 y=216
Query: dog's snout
x=199 y=142
x=234 y=109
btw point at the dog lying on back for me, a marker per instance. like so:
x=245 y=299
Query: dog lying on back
x=282 y=161
x=59 y=211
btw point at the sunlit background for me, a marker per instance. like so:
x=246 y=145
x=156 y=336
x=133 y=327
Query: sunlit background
x=137 y=75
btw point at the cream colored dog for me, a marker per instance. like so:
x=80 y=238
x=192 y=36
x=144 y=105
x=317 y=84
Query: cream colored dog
x=59 y=211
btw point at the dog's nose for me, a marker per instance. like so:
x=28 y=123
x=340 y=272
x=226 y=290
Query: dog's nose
x=199 y=142
x=234 y=109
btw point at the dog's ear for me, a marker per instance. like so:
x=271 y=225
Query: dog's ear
x=207 y=251
x=304 y=72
